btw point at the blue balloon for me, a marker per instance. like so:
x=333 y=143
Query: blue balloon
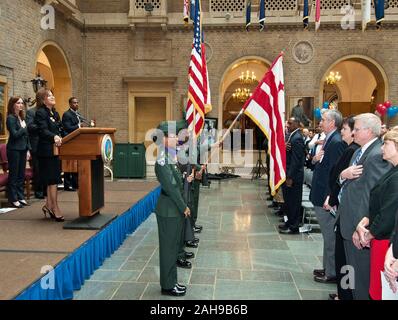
x=317 y=113
x=390 y=112
x=326 y=105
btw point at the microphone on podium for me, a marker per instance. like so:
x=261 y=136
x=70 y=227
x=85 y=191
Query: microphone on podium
x=85 y=121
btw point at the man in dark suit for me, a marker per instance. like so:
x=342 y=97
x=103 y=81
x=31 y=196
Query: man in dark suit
x=324 y=161
x=71 y=122
x=293 y=186
x=34 y=140
x=366 y=168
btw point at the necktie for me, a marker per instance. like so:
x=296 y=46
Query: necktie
x=357 y=158
x=354 y=163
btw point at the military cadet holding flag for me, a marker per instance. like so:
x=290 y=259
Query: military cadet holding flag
x=171 y=207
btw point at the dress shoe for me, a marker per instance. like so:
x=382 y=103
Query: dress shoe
x=282 y=220
x=273 y=205
x=181 y=287
x=333 y=296
x=16 y=204
x=270 y=198
x=191 y=244
x=197 y=230
x=319 y=272
x=39 y=195
x=289 y=231
x=182 y=263
x=198 y=226
x=69 y=189
x=196 y=240
x=283 y=226
x=24 y=203
x=174 y=292
x=189 y=255
x=279 y=213
x=325 y=279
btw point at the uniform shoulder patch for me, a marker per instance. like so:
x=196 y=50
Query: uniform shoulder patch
x=161 y=161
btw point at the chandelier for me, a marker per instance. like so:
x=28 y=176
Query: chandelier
x=241 y=95
x=247 y=78
x=333 y=77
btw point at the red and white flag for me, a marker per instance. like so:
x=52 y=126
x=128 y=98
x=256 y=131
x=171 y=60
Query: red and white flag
x=198 y=89
x=317 y=14
x=266 y=107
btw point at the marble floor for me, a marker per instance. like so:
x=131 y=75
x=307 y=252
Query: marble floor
x=240 y=255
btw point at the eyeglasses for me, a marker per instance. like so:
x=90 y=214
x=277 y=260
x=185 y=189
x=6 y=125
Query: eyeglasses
x=357 y=129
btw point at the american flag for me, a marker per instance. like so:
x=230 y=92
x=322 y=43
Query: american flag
x=198 y=90
x=266 y=107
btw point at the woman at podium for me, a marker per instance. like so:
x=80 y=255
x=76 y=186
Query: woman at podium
x=49 y=127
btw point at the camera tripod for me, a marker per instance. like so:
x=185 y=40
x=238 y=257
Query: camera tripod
x=259 y=169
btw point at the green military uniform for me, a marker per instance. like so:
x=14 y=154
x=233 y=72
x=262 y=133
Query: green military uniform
x=169 y=213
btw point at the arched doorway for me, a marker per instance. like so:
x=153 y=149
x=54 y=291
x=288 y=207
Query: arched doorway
x=53 y=66
x=362 y=86
x=241 y=76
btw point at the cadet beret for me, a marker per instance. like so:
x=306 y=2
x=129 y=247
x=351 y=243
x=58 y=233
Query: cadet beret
x=172 y=126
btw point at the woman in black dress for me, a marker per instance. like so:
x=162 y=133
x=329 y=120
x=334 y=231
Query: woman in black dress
x=17 y=148
x=49 y=126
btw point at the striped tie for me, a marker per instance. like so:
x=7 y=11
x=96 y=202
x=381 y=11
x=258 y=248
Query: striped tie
x=356 y=160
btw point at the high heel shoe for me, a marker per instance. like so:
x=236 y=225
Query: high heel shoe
x=52 y=214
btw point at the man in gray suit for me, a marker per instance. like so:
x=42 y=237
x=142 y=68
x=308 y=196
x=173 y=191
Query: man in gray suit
x=366 y=168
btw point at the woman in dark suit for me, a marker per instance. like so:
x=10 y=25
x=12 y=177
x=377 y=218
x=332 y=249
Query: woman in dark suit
x=17 y=148
x=376 y=230
x=49 y=126
x=332 y=202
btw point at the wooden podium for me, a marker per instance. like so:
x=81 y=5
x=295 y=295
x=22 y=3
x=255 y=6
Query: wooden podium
x=81 y=152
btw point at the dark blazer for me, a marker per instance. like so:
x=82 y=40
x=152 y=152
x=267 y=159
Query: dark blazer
x=394 y=237
x=295 y=158
x=49 y=125
x=333 y=149
x=383 y=204
x=70 y=122
x=341 y=165
x=19 y=138
x=354 y=202
x=32 y=128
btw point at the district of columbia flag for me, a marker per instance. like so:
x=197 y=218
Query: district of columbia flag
x=379 y=12
x=317 y=14
x=366 y=6
x=305 y=15
x=266 y=107
x=198 y=88
x=248 y=14
x=261 y=19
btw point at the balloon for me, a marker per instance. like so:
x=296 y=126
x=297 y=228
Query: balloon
x=317 y=113
x=391 y=112
x=326 y=105
x=382 y=110
x=387 y=104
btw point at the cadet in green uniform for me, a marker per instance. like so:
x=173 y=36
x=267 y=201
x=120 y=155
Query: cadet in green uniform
x=170 y=209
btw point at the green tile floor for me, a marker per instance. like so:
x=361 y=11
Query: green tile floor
x=241 y=255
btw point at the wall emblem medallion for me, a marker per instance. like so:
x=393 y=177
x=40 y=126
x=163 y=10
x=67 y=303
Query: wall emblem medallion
x=303 y=52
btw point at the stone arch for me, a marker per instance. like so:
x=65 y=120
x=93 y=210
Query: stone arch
x=231 y=73
x=53 y=65
x=363 y=59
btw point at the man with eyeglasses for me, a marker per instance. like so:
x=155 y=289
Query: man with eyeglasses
x=366 y=168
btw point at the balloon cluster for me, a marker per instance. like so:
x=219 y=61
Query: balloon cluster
x=317 y=110
x=387 y=108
